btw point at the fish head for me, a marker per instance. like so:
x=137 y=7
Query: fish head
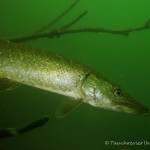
x=99 y=92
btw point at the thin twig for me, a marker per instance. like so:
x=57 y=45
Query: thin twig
x=74 y=21
x=124 y=32
x=57 y=18
x=57 y=33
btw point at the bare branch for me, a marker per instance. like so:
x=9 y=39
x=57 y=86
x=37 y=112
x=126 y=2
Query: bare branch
x=9 y=132
x=74 y=21
x=124 y=32
x=57 y=18
x=59 y=32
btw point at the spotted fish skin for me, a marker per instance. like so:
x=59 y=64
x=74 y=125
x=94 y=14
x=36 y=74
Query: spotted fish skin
x=41 y=69
x=49 y=71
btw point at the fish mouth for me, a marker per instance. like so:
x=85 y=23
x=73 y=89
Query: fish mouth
x=134 y=108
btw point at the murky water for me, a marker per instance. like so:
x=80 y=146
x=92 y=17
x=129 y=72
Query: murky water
x=124 y=60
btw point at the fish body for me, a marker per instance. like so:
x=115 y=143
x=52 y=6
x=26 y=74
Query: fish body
x=41 y=69
x=46 y=70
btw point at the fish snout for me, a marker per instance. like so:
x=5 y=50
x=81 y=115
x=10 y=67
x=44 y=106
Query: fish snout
x=138 y=109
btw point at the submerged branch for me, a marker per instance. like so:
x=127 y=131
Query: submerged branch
x=57 y=18
x=74 y=21
x=9 y=132
x=59 y=32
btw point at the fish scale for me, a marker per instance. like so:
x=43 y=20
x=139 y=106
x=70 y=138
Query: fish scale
x=46 y=70
x=41 y=69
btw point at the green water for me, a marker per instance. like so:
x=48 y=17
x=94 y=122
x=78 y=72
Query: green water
x=124 y=60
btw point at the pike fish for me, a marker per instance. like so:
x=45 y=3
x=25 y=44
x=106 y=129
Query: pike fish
x=21 y=64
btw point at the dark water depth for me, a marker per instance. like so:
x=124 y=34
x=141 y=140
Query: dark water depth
x=124 y=60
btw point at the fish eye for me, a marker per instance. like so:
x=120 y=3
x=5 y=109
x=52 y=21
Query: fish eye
x=117 y=92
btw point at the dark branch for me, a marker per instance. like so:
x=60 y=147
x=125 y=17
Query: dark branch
x=57 y=18
x=59 y=32
x=74 y=21
x=9 y=132
x=124 y=32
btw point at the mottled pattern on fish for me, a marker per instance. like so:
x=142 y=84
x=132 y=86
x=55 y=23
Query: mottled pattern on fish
x=52 y=72
x=41 y=69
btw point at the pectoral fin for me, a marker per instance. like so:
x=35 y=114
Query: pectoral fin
x=67 y=107
x=7 y=84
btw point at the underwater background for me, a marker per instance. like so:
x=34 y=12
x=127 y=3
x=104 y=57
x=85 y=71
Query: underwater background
x=123 y=60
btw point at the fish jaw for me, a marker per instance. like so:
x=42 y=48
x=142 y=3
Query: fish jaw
x=134 y=107
x=131 y=107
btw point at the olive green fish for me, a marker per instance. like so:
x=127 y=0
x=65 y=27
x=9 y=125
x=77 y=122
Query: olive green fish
x=49 y=71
